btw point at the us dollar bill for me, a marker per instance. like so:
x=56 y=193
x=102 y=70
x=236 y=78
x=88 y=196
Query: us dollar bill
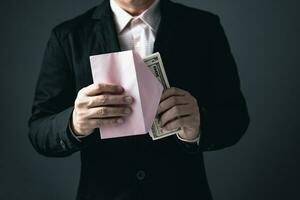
x=155 y=64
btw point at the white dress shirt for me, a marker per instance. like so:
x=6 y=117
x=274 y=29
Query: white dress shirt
x=139 y=32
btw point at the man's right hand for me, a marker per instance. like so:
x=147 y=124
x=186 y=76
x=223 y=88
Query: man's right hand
x=99 y=105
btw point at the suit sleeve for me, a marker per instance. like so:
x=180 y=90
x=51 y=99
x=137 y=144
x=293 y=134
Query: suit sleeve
x=224 y=115
x=53 y=104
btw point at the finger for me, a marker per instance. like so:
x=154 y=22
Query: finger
x=105 y=100
x=96 y=123
x=175 y=112
x=96 y=89
x=177 y=123
x=172 y=92
x=105 y=112
x=171 y=102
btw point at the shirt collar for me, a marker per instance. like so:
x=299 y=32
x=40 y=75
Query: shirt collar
x=151 y=16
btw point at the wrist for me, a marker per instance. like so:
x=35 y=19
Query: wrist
x=76 y=133
x=188 y=135
x=73 y=128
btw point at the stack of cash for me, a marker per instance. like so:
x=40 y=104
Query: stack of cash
x=154 y=62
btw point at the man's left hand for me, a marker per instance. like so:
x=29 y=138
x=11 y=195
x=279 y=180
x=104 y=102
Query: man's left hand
x=178 y=108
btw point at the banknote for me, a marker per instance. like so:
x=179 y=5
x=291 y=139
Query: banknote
x=155 y=64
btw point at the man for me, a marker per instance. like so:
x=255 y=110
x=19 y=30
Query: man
x=206 y=100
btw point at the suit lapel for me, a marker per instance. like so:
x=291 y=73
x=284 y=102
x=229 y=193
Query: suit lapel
x=105 y=35
x=166 y=24
x=166 y=31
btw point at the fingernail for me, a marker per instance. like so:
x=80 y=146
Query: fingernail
x=120 y=121
x=127 y=111
x=128 y=99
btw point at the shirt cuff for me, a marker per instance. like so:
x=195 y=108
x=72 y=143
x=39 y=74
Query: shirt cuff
x=196 y=140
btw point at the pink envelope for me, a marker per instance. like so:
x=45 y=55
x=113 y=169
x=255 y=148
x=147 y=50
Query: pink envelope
x=128 y=70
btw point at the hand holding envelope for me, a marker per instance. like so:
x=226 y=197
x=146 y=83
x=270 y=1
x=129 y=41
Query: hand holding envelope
x=128 y=69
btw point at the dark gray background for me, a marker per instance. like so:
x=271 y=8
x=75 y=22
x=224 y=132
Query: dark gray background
x=264 y=39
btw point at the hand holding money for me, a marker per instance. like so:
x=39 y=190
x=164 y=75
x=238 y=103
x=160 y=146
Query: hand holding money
x=178 y=108
x=178 y=112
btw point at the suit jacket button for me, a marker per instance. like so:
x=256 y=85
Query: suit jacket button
x=63 y=146
x=140 y=175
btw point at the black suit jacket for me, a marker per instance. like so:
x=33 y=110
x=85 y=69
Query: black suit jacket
x=197 y=58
